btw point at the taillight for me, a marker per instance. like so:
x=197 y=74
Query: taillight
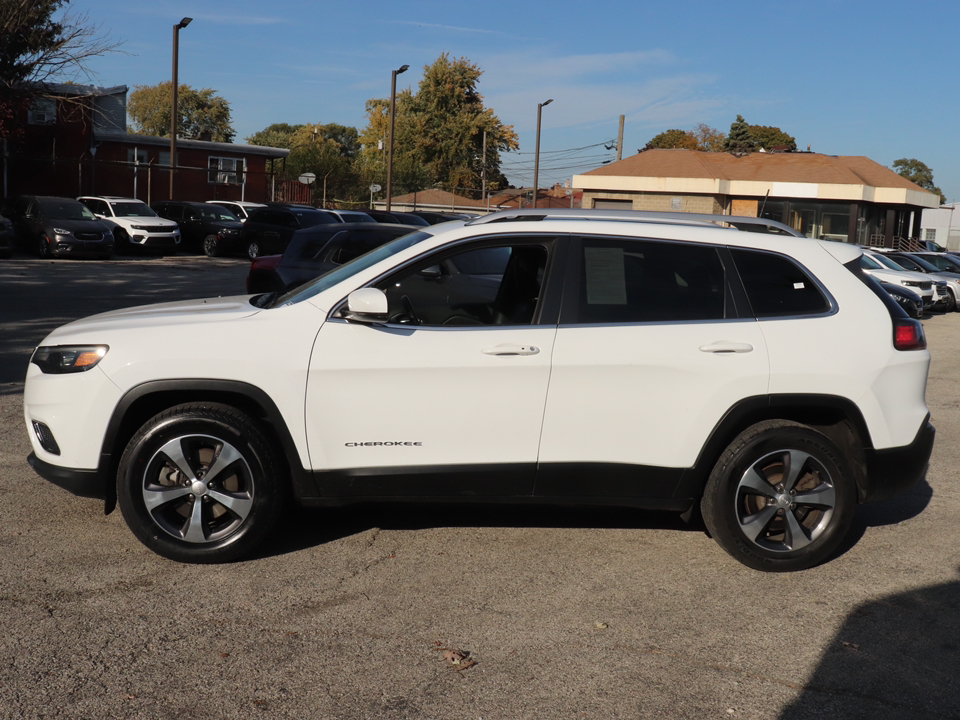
x=908 y=335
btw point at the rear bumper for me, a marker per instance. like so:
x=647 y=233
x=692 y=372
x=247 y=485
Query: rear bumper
x=85 y=483
x=890 y=472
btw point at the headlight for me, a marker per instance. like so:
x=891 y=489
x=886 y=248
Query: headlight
x=68 y=358
x=60 y=231
x=138 y=227
x=911 y=283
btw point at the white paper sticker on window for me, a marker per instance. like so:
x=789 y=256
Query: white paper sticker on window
x=606 y=284
x=798 y=286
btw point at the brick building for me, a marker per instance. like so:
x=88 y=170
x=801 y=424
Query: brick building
x=74 y=142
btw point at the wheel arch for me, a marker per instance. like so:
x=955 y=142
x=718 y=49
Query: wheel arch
x=144 y=401
x=836 y=417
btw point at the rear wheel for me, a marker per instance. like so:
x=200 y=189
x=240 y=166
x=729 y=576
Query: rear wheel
x=253 y=250
x=780 y=498
x=200 y=483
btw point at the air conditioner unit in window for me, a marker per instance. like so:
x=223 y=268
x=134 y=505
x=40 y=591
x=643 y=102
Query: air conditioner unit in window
x=41 y=118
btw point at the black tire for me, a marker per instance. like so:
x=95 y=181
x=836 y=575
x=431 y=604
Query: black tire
x=771 y=516
x=210 y=248
x=167 y=465
x=46 y=252
x=253 y=250
x=951 y=305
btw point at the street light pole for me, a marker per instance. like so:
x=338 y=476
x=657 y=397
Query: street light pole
x=393 y=104
x=173 y=113
x=536 y=155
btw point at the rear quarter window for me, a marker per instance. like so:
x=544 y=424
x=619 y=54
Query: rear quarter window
x=776 y=286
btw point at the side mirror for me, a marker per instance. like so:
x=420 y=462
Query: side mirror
x=366 y=305
x=431 y=273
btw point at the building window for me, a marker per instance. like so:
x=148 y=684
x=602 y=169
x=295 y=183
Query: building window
x=226 y=171
x=141 y=156
x=930 y=234
x=43 y=111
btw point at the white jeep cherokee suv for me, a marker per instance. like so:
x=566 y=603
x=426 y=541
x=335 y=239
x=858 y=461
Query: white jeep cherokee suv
x=138 y=226
x=576 y=357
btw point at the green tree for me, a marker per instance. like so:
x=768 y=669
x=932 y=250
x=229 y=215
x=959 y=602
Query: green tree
x=35 y=49
x=919 y=174
x=277 y=135
x=439 y=131
x=739 y=140
x=200 y=111
x=769 y=137
x=671 y=139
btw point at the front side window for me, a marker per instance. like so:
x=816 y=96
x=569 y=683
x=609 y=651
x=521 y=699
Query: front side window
x=628 y=281
x=489 y=285
x=777 y=286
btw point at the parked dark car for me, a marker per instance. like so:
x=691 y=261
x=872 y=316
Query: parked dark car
x=317 y=250
x=6 y=237
x=204 y=227
x=268 y=230
x=905 y=298
x=398 y=218
x=435 y=218
x=58 y=227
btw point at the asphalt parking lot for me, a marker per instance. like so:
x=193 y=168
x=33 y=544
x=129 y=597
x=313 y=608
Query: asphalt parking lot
x=553 y=613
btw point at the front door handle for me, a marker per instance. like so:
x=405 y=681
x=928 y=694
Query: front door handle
x=511 y=349
x=727 y=347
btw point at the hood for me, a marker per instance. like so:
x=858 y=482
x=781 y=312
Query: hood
x=225 y=225
x=159 y=315
x=79 y=225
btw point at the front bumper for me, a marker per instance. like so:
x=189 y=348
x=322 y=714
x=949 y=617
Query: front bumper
x=890 y=472
x=85 y=483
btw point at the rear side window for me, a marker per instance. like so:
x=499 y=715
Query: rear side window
x=628 y=281
x=777 y=286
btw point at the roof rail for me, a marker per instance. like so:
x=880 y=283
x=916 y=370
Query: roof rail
x=748 y=224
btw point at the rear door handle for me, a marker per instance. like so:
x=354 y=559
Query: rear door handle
x=511 y=349
x=727 y=347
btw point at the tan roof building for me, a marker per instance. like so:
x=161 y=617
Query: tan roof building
x=434 y=199
x=853 y=199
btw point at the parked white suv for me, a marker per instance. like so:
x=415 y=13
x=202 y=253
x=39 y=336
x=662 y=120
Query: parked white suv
x=138 y=226
x=575 y=357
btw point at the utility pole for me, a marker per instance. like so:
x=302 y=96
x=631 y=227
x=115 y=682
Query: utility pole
x=620 y=140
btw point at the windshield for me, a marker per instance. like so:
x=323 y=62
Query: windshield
x=216 y=213
x=348 y=270
x=129 y=209
x=67 y=210
x=887 y=262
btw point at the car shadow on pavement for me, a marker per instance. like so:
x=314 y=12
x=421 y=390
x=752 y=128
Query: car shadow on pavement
x=896 y=510
x=304 y=528
x=895 y=658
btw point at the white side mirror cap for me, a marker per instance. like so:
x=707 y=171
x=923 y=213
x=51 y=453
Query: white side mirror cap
x=367 y=305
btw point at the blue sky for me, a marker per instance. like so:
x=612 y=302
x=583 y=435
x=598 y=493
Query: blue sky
x=844 y=77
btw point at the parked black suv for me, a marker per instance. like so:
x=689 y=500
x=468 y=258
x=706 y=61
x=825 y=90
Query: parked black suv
x=317 y=250
x=268 y=230
x=58 y=227
x=204 y=227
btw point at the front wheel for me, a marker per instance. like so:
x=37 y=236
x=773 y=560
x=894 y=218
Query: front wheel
x=46 y=250
x=780 y=498
x=253 y=251
x=200 y=483
x=210 y=248
x=951 y=304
